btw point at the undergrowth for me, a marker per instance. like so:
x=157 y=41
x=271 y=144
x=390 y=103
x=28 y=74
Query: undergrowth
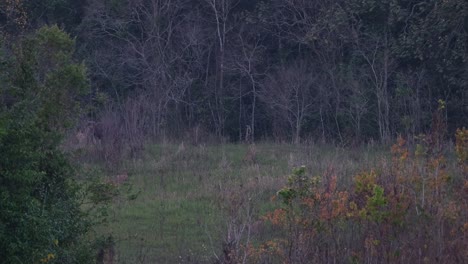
x=410 y=209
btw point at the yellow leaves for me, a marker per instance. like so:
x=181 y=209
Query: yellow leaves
x=49 y=257
x=365 y=182
x=442 y=104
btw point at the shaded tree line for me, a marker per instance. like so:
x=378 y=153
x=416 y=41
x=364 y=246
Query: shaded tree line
x=342 y=71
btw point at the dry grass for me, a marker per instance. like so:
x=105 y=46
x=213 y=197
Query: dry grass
x=199 y=204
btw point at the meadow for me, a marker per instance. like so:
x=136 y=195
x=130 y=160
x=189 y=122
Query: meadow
x=287 y=203
x=192 y=200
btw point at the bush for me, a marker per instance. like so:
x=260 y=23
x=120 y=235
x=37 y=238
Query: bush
x=411 y=209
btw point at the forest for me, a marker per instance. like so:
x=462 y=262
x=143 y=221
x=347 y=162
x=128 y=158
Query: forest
x=119 y=111
x=336 y=71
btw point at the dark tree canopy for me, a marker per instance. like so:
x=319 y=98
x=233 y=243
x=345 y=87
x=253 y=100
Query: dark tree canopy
x=378 y=68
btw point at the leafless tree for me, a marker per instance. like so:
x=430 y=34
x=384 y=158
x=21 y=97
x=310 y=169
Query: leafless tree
x=291 y=92
x=223 y=21
x=410 y=101
x=150 y=46
x=357 y=102
x=247 y=62
x=380 y=67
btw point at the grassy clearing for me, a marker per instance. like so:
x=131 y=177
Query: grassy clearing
x=189 y=195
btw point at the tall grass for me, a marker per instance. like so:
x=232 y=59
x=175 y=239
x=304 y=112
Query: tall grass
x=201 y=204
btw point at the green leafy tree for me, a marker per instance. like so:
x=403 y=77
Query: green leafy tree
x=47 y=78
x=41 y=219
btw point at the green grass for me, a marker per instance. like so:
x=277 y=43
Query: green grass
x=186 y=193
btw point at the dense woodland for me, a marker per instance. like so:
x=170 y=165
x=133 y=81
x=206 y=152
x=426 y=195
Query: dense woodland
x=338 y=71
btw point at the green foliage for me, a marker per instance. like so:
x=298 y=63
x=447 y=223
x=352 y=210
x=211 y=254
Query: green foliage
x=39 y=200
x=375 y=205
x=287 y=194
x=56 y=42
x=41 y=219
x=48 y=79
x=298 y=185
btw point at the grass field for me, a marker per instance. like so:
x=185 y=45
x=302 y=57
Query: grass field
x=192 y=199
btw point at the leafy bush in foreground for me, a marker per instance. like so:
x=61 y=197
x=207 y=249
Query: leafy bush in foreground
x=410 y=209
